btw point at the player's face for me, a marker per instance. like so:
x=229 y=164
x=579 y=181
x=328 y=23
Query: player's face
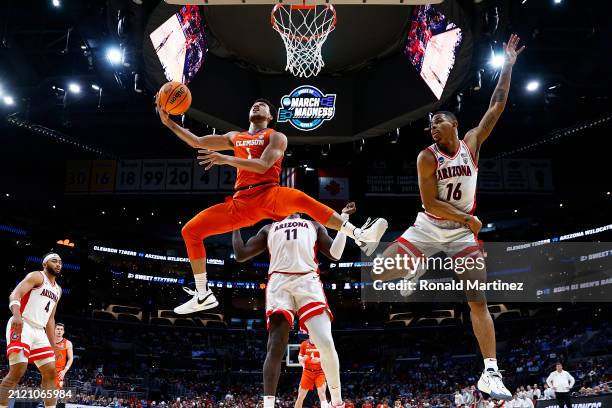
x=260 y=111
x=59 y=331
x=442 y=128
x=294 y=215
x=54 y=266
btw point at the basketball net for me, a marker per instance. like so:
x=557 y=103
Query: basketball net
x=304 y=28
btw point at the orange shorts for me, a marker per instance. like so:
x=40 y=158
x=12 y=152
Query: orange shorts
x=59 y=384
x=246 y=208
x=312 y=379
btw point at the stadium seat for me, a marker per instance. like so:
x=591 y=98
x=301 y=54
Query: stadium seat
x=161 y=321
x=424 y=321
x=125 y=317
x=215 y=324
x=450 y=321
x=184 y=322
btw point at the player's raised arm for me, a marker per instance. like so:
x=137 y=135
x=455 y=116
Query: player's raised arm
x=272 y=152
x=333 y=249
x=426 y=167
x=254 y=246
x=210 y=142
x=475 y=137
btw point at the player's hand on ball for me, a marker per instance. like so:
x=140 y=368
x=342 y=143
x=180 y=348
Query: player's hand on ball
x=510 y=49
x=163 y=115
x=209 y=158
x=349 y=209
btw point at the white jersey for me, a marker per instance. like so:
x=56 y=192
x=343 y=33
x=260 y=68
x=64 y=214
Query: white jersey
x=457 y=178
x=38 y=303
x=292 y=244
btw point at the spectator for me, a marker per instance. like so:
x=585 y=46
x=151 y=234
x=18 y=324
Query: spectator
x=561 y=382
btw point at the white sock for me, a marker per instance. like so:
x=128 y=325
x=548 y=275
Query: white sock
x=201 y=282
x=319 y=329
x=324 y=404
x=490 y=364
x=349 y=229
x=269 y=401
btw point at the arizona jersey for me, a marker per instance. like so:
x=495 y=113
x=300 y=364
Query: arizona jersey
x=37 y=305
x=292 y=245
x=61 y=354
x=457 y=178
x=307 y=349
x=251 y=146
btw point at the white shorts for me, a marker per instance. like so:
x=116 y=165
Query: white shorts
x=33 y=344
x=428 y=236
x=291 y=293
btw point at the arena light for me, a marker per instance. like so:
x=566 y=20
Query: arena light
x=1 y=90
x=56 y=3
x=8 y=100
x=95 y=87
x=532 y=86
x=558 y=1
x=74 y=88
x=113 y=55
x=497 y=60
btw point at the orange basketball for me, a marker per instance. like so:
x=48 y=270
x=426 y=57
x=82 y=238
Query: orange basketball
x=174 y=98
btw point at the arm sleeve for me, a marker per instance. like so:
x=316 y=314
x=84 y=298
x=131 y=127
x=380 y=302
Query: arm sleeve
x=549 y=380
x=572 y=381
x=337 y=247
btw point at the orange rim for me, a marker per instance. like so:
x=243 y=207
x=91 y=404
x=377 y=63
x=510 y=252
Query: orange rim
x=303 y=7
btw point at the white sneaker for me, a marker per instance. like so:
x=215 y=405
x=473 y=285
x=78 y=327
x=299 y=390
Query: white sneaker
x=198 y=302
x=370 y=234
x=491 y=383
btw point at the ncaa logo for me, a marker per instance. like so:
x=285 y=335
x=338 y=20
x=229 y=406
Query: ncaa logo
x=440 y=159
x=306 y=108
x=14 y=336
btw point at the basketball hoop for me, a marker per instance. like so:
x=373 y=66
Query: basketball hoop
x=304 y=28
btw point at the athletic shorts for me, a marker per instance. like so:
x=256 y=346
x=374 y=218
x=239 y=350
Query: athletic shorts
x=312 y=379
x=428 y=236
x=32 y=341
x=291 y=293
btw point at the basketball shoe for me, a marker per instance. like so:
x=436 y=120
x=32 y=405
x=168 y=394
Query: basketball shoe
x=198 y=302
x=490 y=382
x=368 y=236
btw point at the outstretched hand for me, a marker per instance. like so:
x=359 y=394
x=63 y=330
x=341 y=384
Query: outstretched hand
x=510 y=49
x=208 y=158
x=163 y=115
x=349 y=209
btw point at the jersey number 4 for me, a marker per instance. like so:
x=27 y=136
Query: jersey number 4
x=288 y=232
x=48 y=306
x=454 y=194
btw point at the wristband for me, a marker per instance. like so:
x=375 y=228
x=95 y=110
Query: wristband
x=344 y=216
x=14 y=302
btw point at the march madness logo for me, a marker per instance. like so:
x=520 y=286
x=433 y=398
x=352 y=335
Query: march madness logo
x=306 y=108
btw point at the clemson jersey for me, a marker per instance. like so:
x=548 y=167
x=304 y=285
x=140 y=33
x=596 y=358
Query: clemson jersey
x=61 y=353
x=251 y=146
x=307 y=349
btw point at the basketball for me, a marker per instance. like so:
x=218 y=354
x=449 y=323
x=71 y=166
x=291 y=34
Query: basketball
x=174 y=98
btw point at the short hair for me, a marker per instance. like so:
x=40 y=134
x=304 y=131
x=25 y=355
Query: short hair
x=448 y=114
x=59 y=324
x=272 y=110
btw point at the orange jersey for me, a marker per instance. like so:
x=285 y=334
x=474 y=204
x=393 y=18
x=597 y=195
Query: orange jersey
x=61 y=354
x=252 y=146
x=309 y=350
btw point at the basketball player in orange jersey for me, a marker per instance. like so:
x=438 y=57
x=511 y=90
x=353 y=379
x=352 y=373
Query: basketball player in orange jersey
x=447 y=173
x=312 y=374
x=258 y=155
x=30 y=332
x=63 y=355
x=294 y=287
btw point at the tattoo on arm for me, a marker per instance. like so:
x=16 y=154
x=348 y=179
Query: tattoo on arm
x=500 y=95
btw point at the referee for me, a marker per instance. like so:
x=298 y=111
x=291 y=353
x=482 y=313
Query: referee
x=561 y=382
